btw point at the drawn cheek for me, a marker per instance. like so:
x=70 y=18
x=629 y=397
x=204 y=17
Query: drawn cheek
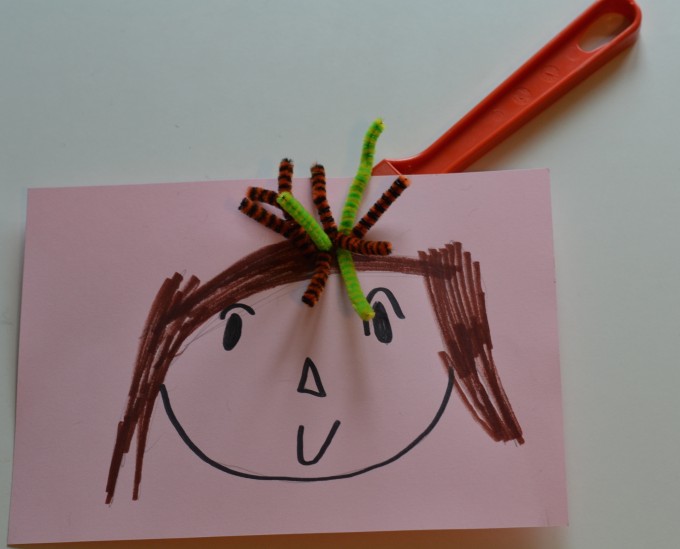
x=229 y=402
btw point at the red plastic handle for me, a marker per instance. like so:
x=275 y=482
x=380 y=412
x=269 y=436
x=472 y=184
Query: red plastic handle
x=561 y=64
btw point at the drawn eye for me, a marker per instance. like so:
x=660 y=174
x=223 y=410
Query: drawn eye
x=234 y=325
x=382 y=328
x=232 y=332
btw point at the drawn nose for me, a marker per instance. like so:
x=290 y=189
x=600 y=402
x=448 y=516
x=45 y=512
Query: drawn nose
x=310 y=380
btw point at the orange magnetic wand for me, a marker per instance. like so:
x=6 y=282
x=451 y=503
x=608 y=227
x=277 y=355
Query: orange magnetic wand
x=561 y=64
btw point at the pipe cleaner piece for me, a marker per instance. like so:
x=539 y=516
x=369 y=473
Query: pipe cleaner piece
x=297 y=211
x=363 y=247
x=286 y=176
x=352 y=285
x=319 y=240
x=287 y=229
x=349 y=213
x=316 y=285
x=380 y=207
x=320 y=199
x=285 y=179
x=258 y=194
x=361 y=179
x=253 y=210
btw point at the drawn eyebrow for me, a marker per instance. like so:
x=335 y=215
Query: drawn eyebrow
x=236 y=306
x=390 y=296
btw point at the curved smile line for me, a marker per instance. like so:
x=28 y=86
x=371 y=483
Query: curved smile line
x=322 y=450
x=196 y=450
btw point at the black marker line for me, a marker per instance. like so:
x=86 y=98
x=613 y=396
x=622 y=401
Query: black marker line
x=309 y=366
x=381 y=323
x=390 y=296
x=196 y=450
x=234 y=325
x=301 y=446
x=243 y=306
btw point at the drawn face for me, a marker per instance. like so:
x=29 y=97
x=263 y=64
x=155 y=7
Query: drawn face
x=271 y=389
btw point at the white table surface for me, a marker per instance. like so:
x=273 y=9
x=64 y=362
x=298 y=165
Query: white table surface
x=111 y=92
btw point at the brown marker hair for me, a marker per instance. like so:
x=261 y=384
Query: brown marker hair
x=453 y=283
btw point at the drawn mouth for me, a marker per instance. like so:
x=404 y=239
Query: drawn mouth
x=322 y=450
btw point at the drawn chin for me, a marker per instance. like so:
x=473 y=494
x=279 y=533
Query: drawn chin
x=308 y=456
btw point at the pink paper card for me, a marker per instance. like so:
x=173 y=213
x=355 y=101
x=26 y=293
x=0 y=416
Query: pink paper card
x=172 y=384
